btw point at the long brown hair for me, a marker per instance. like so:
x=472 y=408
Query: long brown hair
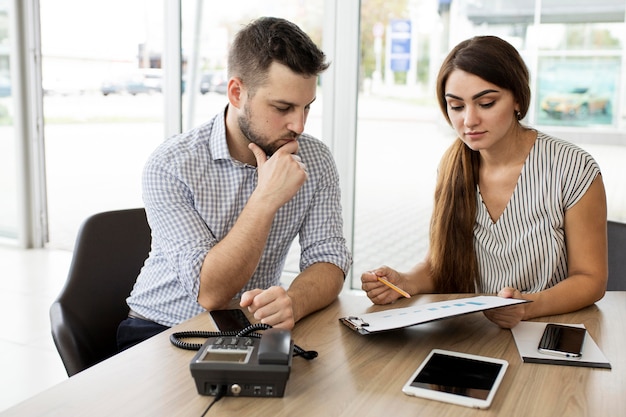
x=454 y=267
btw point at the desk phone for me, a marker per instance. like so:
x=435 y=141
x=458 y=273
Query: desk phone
x=244 y=366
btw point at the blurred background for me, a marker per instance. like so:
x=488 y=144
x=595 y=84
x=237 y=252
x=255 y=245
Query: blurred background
x=84 y=100
x=88 y=89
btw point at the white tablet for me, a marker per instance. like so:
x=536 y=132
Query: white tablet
x=457 y=378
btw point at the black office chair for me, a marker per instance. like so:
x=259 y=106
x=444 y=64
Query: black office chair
x=617 y=256
x=110 y=250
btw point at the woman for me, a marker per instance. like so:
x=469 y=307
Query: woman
x=516 y=212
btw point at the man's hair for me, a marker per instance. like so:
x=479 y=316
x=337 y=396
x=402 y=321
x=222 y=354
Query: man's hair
x=270 y=39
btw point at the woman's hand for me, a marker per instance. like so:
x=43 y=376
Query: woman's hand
x=378 y=292
x=507 y=317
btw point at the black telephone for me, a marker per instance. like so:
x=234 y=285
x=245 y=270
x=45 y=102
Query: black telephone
x=244 y=366
x=242 y=363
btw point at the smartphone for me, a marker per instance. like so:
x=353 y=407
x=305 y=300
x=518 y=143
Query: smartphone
x=561 y=340
x=231 y=320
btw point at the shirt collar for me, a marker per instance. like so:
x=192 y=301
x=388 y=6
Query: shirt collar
x=218 y=137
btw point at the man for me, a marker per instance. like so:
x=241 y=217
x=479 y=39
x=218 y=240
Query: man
x=225 y=200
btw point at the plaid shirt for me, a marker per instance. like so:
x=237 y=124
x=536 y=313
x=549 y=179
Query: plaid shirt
x=194 y=192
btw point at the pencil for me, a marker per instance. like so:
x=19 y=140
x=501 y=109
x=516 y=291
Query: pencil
x=395 y=288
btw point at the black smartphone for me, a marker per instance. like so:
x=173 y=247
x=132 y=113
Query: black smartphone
x=562 y=340
x=231 y=320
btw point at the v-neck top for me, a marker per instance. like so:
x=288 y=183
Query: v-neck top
x=525 y=248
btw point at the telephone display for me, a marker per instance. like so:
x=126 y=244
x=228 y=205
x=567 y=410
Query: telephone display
x=220 y=355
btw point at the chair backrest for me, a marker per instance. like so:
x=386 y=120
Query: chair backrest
x=110 y=250
x=616 y=232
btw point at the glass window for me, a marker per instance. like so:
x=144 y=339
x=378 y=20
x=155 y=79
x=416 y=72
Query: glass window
x=104 y=112
x=400 y=134
x=575 y=54
x=103 y=106
x=577 y=91
x=581 y=36
x=581 y=11
x=207 y=33
x=8 y=151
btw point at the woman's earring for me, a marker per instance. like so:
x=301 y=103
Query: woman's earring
x=518 y=114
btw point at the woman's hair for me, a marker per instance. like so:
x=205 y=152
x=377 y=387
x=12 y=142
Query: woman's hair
x=269 y=39
x=454 y=267
x=492 y=59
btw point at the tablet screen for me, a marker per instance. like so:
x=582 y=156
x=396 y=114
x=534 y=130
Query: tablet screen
x=459 y=378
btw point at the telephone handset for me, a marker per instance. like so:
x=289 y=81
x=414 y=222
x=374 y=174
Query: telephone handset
x=275 y=347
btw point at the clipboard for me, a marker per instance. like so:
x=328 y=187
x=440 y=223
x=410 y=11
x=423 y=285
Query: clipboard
x=397 y=318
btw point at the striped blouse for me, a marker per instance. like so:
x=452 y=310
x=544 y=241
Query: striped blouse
x=525 y=248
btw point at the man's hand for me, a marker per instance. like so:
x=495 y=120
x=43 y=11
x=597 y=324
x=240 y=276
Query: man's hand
x=280 y=176
x=272 y=306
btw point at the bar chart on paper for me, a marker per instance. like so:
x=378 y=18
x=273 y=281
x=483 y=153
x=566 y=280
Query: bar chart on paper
x=410 y=316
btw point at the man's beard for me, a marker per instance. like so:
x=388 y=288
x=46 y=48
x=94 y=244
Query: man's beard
x=261 y=141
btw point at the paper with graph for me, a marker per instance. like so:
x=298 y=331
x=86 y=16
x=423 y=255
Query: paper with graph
x=397 y=318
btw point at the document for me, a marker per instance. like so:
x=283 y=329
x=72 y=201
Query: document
x=528 y=333
x=397 y=318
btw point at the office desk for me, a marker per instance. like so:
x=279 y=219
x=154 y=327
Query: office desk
x=355 y=375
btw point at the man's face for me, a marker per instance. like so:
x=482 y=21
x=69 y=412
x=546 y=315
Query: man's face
x=276 y=113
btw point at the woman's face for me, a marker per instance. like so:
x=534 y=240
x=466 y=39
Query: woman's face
x=481 y=113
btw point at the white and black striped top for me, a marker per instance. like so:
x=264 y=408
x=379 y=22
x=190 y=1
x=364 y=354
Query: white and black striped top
x=525 y=248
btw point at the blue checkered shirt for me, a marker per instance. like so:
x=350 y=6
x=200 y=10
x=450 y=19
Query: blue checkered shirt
x=193 y=193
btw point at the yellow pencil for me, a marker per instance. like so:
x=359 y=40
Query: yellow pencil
x=395 y=288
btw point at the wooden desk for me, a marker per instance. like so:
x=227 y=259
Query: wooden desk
x=355 y=375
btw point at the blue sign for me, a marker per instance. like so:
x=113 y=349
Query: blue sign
x=400 y=54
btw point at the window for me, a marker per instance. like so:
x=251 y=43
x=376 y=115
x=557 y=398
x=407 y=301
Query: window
x=103 y=106
x=104 y=113
x=575 y=53
x=8 y=139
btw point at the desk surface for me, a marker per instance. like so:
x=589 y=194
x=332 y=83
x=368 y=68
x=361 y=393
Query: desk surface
x=355 y=374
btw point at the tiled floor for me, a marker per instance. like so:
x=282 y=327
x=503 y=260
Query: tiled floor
x=30 y=281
